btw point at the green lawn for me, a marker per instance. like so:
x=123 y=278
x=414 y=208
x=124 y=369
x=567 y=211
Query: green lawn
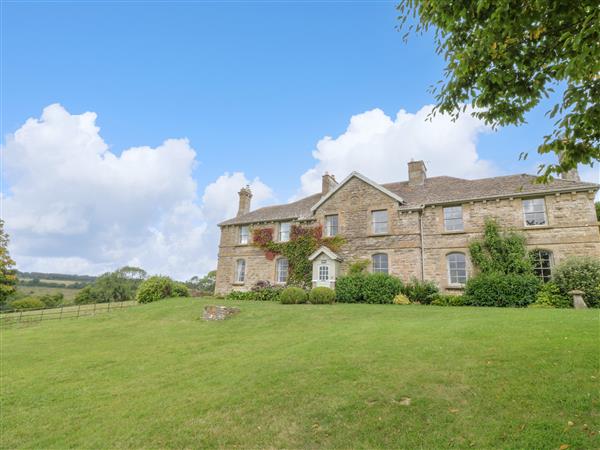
x=304 y=376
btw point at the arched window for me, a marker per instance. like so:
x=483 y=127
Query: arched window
x=457 y=268
x=240 y=270
x=282 y=270
x=380 y=262
x=542 y=264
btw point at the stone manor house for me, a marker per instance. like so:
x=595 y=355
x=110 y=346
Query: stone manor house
x=416 y=228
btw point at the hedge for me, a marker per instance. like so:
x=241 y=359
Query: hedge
x=495 y=289
x=321 y=295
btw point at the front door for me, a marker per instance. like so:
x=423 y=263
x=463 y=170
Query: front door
x=324 y=275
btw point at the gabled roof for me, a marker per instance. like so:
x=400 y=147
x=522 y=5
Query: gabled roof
x=435 y=191
x=360 y=177
x=325 y=250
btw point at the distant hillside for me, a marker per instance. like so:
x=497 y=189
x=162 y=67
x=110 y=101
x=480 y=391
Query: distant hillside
x=54 y=279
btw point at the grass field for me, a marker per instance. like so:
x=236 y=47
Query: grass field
x=69 y=293
x=298 y=376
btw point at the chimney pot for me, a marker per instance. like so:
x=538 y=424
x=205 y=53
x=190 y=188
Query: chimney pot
x=417 y=173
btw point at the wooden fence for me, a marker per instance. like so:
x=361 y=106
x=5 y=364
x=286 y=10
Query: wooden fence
x=11 y=317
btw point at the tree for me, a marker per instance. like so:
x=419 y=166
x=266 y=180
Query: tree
x=133 y=273
x=204 y=284
x=598 y=211
x=8 y=273
x=504 y=56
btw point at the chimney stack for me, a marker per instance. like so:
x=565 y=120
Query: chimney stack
x=417 y=172
x=245 y=197
x=571 y=175
x=328 y=183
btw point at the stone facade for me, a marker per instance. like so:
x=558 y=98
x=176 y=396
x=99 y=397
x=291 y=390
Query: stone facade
x=416 y=243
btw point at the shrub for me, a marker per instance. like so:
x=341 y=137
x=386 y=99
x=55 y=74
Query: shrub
x=266 y=292
x=241 y=295
x=401 y=299
x=349 y=288
x=321 y=295
x=27 y=303
x=500 y=251
x=496 y=289
x=582 y=273
x=154 y=288
x=358 y=267
x=449 y=300
x=84 y=296
x=292 y=295
x=380 y=288
x=179 y=289
x=52 y=300
x=549 y=296
x=420 y=291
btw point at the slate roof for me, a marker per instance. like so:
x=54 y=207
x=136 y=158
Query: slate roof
x=436 y=190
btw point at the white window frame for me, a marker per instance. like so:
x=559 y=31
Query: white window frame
x=330 y=230
x=244 y=236
x=455 y=271
x=539 y=270
x=281 y=274
x=531 y=201
x=376 y=223
x=453 y=218
x=285 y=234
x=240 y=271
x=323 y=272
x=379 y=267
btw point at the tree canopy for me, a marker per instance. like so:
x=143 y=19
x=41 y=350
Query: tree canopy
x=504 y=56
x=8 y=274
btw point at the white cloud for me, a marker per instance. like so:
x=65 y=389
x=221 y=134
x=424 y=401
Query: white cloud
x=379 y=147
x=74 y=206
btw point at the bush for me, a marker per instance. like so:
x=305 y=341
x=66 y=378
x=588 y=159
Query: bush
x=495 y=289
x=266 y=292
x=349 y=288
x=241 y=295
x=449 y=300
x=358 y=267
x=582 y=273
x=155 y=288
x=292 y=295
x=27 y=303
x=321 y=295
x=421 y=291
x=401 y=299
x=52 y=300
x=549 y=296
x=380 y=288
x=179 y=289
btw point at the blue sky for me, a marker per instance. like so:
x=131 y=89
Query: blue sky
x=253 y=86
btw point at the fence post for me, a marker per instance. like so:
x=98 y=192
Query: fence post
x=20 y=315
x=108 y=306
x=94 y=312
x=41 y=314
x=78 y=309
x=61 y=311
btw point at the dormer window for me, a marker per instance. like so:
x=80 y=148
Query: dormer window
x=284 y=231
x=534 y=212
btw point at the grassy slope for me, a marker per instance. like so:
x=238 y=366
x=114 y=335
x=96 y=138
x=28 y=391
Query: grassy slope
x=304 y=376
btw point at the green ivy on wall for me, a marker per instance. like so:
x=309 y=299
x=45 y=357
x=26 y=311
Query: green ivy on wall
x=303 y=242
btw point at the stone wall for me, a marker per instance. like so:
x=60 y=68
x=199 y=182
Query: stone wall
x=572 y=229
